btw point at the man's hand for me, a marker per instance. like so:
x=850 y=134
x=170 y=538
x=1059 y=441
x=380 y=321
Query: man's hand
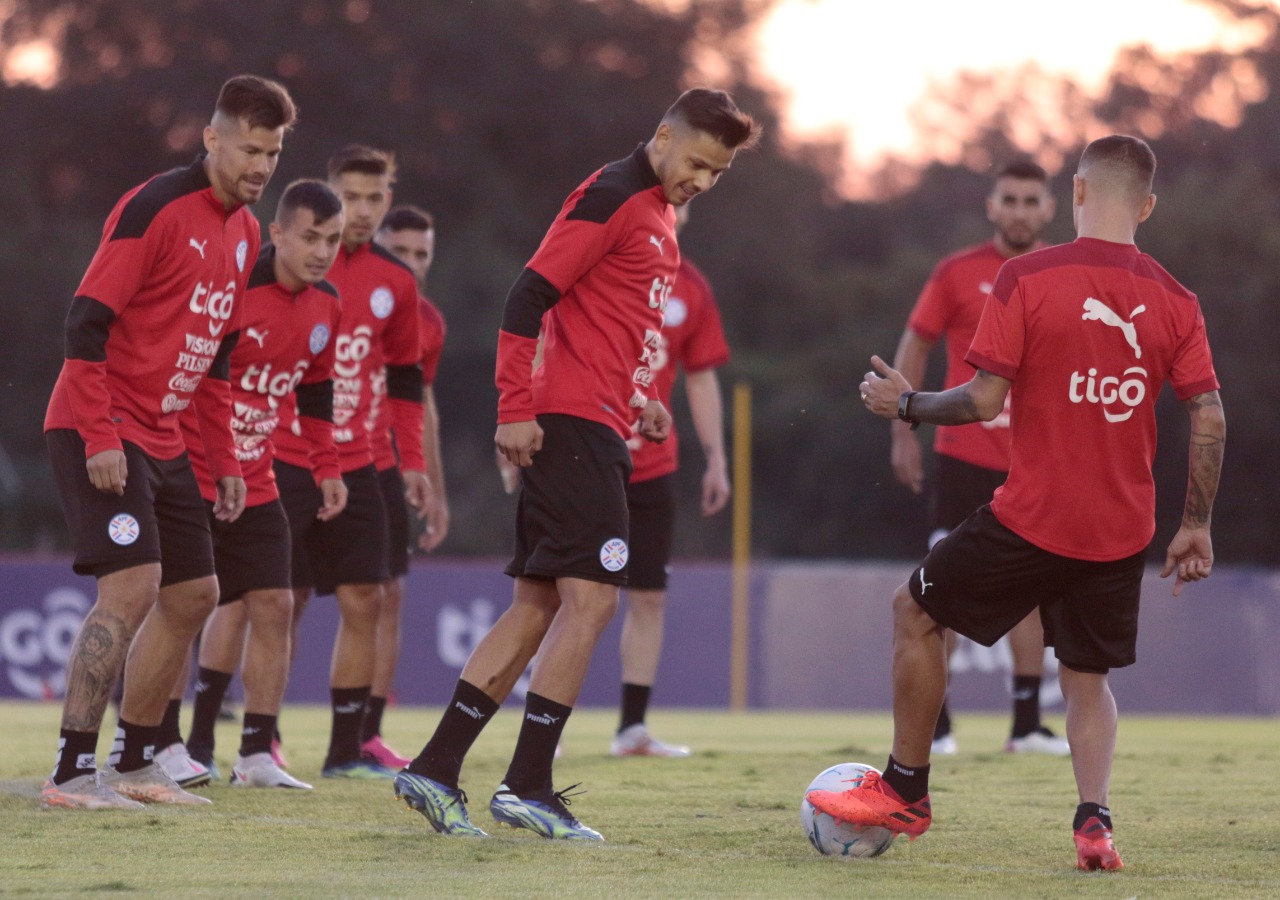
x=230 y=502
x=906 y=459
x=417 y=490
x=715 y=487
x=655 y=422
x=518 y=441
x=1191 y=554
x=108 y=471
x=880 y=392
x=437 y=521
x=333 y=493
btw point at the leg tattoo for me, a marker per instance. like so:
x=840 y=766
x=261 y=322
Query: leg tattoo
x=97 y=659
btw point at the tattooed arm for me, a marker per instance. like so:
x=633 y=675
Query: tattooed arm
x=1191 y=551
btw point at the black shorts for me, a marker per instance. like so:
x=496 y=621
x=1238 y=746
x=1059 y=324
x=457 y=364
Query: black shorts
x=652 y=505
x=960 y=488
x=252 y=553
x=571 y=518
x=350 y=549
x=392 y=485
x=160 y=519
x=982 y=579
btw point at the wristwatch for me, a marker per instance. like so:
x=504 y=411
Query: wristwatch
x=904 y=410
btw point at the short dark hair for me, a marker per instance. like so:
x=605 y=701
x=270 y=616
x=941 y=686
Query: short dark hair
x=363 y=159
x=258 y=102
x=715 y=113
x=1129 y=159
x=1023 y=168
x=308 y=193
x=407 y=218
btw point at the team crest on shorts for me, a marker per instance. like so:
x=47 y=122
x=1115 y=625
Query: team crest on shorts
x=123 y=530
x=613 y=554
x=242 y=250
x=381 y=302
x=319 y=337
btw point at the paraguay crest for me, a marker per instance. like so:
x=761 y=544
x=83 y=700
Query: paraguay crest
x=613 y=554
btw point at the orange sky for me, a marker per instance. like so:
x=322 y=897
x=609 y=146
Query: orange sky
x=858 y=68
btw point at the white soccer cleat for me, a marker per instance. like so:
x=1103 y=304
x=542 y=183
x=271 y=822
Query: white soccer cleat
x=635 y=740
x=150 y=784
x=944 y=746
x=1042 y=740
x=259 y=770
x=83 y=792
x=181 y=767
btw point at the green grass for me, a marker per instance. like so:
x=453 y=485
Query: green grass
x=1197 y=807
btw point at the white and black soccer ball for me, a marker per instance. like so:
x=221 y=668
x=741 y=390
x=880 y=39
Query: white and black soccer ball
x=832 y=838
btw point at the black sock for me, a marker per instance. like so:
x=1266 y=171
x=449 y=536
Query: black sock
x=76 y=755
x=133 y=748
x=635 y=703
x=1085 y=811
x=211 y=687
x=469 y=710
x=256 y=733
x=348 y=715
x=1026 y=704
x=530 y=768
x=372 y=718
x=169 y=732
x=912 y=783
x=943 y=726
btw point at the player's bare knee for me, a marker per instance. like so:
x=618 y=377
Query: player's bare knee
x=190 y=603
x=909 y=618
x=270 y=610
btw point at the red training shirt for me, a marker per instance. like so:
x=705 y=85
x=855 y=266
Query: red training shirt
x=286 y=343
x=163 y=286
x=692 y=338
x=597 y=286
x=951 y=304
x=1088 y=332
x=378 y=327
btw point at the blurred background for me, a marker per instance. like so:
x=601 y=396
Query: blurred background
x=883 y=127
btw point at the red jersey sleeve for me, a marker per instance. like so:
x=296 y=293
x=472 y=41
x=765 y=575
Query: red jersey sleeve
x=932 y=313
x=1193 y=372
x=402 y=347
x=212 y=402
x=433 y=335
x=705 y=346
x=115 y=275
x=1001 y=337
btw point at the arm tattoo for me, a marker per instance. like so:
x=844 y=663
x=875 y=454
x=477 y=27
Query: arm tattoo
x=1208 y=442
x=97 y=659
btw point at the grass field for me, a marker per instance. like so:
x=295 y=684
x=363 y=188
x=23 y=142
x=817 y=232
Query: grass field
x=1197 y=812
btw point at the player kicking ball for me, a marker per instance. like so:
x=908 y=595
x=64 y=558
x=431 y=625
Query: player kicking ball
x=1069 y=530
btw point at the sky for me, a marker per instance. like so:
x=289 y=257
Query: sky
x=856 y=67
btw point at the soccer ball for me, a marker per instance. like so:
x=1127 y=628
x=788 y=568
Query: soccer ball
x=832 y=838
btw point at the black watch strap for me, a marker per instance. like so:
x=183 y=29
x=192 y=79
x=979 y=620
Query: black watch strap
x=904 y=410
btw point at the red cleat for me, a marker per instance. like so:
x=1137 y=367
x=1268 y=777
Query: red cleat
x=872 y=802
x=1094 y=849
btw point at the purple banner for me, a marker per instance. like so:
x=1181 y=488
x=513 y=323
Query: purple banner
x=820 y=639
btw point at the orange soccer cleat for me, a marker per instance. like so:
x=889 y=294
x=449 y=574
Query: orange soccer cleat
x=1094 y=849
x=872 y=802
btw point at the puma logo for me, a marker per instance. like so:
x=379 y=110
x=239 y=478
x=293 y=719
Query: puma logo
x=1097 y=311
x=259 y=336
x=657 y=242
x=924 y=585
x=199 y=245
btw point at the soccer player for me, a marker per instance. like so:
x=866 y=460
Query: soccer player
x=154 y=314
x=973 y=460
x=289 y=317
x=348 y=555
x=693 y=339
x=409 y=233
x=596 y=289
x=1085 y=334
